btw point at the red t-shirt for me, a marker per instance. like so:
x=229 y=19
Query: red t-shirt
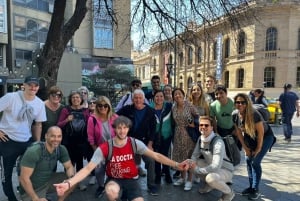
x=122 y=164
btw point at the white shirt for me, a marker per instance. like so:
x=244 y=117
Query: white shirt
x=14 y=128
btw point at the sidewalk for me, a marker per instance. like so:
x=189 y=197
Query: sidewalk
x=280 y=179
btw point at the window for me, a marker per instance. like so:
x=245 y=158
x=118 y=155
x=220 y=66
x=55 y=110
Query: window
x=240 y=77
x=22 y=57
x=226 y=79
x=298 y=77
x=298 y=39
x=28 y=29
x=3 y=20
x=154 y=64
x=227 y=48
x=181 y=59
x=1 y=56
x=190 y=55
x=271 y=39
x=199 y=57
x=42 y=5
x=103 y=25
x=215 y=51
x=269 y=77
x=241 y=43
x=170 y=59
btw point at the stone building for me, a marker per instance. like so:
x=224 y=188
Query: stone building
x=261 y=51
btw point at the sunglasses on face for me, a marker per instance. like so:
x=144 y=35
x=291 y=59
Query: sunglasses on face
x=55 y=95
x=92 y=102
x=135 y=85
x=240 y=102
x=83 y=92
x=204 y=125
x=103 y=105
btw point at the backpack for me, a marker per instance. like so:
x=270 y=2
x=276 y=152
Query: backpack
x=231 y=148
x=263 y=111
x=127 y=96
x=110 y=147
x=43 y=156
x=76 y=127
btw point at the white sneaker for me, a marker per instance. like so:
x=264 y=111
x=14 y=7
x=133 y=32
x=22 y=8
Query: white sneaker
x=188 y=186
x=92 y=180
x=179 y=182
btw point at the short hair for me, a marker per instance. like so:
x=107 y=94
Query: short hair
x=221 y=88
x=54 y=90
x=207 y=118
x=83 y=88
x=212 y=77
x=138 y=91
x=136 y=81
x=73 y=92
x=155 y=77
x=122 y=120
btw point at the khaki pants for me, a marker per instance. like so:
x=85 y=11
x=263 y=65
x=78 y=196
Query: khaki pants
x=57 y=177
x=216 y=180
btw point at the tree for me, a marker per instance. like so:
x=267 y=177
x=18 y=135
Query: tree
x=112 y=82
x=159 y=16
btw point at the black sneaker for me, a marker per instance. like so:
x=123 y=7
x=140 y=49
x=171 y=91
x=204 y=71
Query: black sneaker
x=247 y=191
x=99 y=192
x=153 y=190
x=254 y=195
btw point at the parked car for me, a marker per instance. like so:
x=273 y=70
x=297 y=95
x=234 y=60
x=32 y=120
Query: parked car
x=275 y=110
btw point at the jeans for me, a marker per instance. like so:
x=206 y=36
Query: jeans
x=254 y=163
x=164 y=150
x=10 y=151
x=287 y=125
x=150 y=166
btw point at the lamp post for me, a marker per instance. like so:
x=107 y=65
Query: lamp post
x=169 y=71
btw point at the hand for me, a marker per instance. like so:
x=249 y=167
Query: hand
x=61 y=188
x=183 y=166
x=3 y=137
x=254 y=153
x=70 y=117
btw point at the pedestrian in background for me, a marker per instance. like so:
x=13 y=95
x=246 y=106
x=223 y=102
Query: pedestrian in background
x=289 y=103
x=256 y=138
x=19 y=109
x=210 y=82
x=73 y=121
x=155 y=83
x=100 y=130
x=259 y=97
x=85 y=95
x=168 y=93
x=53 y=108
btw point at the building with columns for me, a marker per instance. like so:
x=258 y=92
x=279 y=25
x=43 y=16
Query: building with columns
x=259 y=50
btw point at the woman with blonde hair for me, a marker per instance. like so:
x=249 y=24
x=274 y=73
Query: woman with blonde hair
x=256 y=137
x=197 y=98
x=100 y=130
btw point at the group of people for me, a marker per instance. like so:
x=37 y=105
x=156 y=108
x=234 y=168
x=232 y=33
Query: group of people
x=151 y=127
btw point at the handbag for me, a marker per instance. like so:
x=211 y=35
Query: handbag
x=193 y=132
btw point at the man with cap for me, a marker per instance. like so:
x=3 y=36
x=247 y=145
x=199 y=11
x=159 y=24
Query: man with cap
x=289 y=103
x=127 y=99
x=17 y=130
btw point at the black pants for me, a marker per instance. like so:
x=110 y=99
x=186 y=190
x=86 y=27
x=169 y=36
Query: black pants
x=163 y=149
x=10 y=151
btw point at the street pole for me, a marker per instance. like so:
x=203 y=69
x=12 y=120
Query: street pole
x=175 y=48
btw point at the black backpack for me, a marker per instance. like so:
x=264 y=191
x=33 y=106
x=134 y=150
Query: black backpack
x=76 y=127
x=263 y=111
x=231 y=148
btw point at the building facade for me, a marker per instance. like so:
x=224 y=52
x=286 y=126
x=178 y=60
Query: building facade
x=261 y=51
x=97 y=44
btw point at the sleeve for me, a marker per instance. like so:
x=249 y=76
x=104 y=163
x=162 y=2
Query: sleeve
x=98 y=156
x=141 y=148
x=120 y=104
x=91 y=130
x=64 y=156
x=196 y=153
x=62 y=117
x=30 y=157
x=6 y=101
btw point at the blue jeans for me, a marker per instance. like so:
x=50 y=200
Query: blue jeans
x=10 y=151
x=254 y=163
x=287 y=125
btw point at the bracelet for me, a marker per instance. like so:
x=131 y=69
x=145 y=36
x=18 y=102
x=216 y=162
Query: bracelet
x=68 y=182
x=176 y=165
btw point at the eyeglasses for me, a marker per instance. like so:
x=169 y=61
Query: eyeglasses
x=240 y=102
x=205 y=125
x=83 y=92
x=55 y=95
x=92 y=102
x=135 y=85
x=103 y=105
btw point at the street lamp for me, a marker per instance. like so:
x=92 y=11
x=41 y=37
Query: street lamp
x=169 y=71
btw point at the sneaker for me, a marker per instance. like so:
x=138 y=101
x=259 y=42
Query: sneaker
x=92 y=180
x=168 y=179
x=205 y=189
x=197 y=180
x=227 y=197
x=142 y=172
x=153 y=190
x=99 y=192
x=176 y=174
x=188 y=186
x=82 y=187
x=247 y=191
x=254 y=195
x=288 y=140
x=179 y=182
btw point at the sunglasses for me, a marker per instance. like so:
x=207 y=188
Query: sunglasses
x=103 y=105
x=83 y=92
x=205 y=125
x=54 y=95
x=135 y=85
x=240 y=102
x=92 y=102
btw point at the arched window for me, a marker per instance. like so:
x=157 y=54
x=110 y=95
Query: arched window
x=227 y=48
x=199 y=57
x=241 y=43
x=215 y=50
x=271 y=39
x=189 y=82
x=226 y=79
x=240 y=78
x=154 y=64
x=170 y=59
x=269 y=77
x=298 y=39
x=180 y=59
x=190 y=55
x=298 y=77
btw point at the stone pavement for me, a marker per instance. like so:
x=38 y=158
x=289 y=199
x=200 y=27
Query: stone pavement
x=280 y=179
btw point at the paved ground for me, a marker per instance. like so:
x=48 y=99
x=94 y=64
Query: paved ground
x=280 y=179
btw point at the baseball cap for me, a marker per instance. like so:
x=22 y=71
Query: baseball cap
x=31 y=79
